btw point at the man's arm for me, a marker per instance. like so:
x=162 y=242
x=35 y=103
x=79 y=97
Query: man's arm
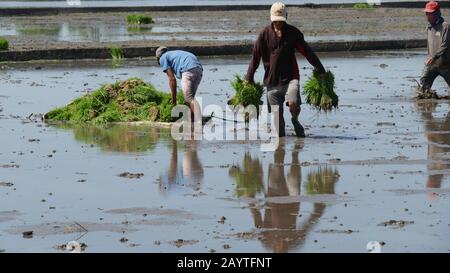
x=256 y=58
x=172 y=84
x=444 y=44
x=309 y=54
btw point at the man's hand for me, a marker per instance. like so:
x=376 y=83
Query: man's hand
x=429 y=61
x=250 y=81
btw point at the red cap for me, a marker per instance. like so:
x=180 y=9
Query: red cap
x=431 y=7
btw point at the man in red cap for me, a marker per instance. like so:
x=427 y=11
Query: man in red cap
x=438 y=61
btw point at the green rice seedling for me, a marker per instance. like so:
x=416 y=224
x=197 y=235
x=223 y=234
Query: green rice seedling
x=246 y=93
x=320 y=93
x=362 y=6
x=139 y=19
x=4 y=44
x=116 y=53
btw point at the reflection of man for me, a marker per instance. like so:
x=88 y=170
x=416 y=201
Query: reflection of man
x=190 y=173
x=437 y=131
x=280 y=230
x=438 y=60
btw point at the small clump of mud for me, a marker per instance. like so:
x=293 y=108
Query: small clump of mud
x=131 y=175
x=396 y=223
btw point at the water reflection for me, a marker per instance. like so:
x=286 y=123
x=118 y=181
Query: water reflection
x=73 y=32
x=437 y=129
x=119 y=138
x=281 y=228
x=187 y=172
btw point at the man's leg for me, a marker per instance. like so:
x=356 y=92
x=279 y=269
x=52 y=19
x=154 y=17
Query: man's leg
x=275 y=97
x=445 y=73
x=426 y=81
x=294 y=102
x=189 y=83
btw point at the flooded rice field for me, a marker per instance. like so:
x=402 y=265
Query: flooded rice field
x=207 y=27
x=376 y=169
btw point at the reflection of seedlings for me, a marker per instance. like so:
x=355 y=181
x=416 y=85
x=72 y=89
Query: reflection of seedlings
x=130 y=100
x=248 y=177
x=52 y=31
x=246 y=94
x=4 y=44
x=139 y=19
x=118 y=138
x=322 y=180
x=139 y=28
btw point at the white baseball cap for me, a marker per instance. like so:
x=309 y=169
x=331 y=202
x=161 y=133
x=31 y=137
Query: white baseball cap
x=278 y=12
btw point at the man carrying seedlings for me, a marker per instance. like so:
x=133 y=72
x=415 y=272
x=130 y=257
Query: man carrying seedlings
x=185 y=66
x=276 y=45
x=438 y=60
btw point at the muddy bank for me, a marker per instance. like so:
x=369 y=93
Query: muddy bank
x=89 y=35
x=212 y=50
x=67 y=10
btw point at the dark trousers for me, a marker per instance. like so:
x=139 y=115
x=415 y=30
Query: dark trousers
x=430 y=73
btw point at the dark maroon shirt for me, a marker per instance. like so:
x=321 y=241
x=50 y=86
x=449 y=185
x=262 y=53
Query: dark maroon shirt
x=278 y=55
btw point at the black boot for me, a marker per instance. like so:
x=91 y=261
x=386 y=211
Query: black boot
x=299 y=130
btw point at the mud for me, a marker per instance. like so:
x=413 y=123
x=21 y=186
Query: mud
x=328 y=192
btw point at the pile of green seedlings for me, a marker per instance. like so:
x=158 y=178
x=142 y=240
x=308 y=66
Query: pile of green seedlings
x=4 y=44
x=125 y=101
x=320 y=93
x=139 y=19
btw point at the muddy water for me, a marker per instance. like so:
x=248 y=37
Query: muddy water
x=379 y=157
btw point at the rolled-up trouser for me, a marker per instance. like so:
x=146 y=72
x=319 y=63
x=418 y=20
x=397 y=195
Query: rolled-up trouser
x=430 y=73
x=276 y=95
x=190 y=80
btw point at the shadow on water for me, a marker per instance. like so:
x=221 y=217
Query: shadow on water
x=119 y=138
x=437 y=130
x=280 y=227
